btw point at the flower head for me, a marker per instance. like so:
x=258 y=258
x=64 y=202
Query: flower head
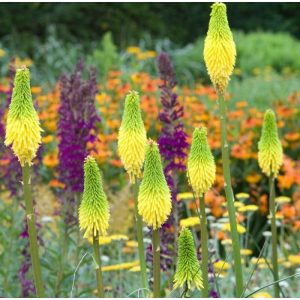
x=269 y=146
x=23 y=129
x=132 y=137
x=188 y=267
x=201 y=165
x=94 y=209
x=154 y=199
x=219 y=48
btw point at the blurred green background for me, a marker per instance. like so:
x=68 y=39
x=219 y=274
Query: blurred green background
x=53 y=36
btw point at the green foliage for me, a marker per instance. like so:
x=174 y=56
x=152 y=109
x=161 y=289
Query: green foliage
x=105 y=56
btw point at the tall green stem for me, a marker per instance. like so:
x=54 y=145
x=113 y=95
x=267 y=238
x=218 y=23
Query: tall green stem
x=141 y=248
x=230 y=199
x=156 y=263
x=274 y=235
x=99 y=277
x=204 y=248
x=34 y=252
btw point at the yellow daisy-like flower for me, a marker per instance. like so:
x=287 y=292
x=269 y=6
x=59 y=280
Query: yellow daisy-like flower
x=248 y=208
x=23 y=129
x=154 y=199
x=184 y=196
x=219 y=48
x=294 y=259
x=122 y=266
x=190 y=222
x=262 y=295
x=221 y=265
x=240 y=228
x=246 y=252
x=282 y=199
x=242 y=196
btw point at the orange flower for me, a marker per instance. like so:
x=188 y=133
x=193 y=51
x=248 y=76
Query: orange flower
x=47 y=139
x=253 y=178
x=56 y=183
x=36 y=89
x=50 y=160
x=116 y=163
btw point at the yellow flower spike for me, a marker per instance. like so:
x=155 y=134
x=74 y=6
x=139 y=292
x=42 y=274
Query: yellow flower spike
x=219 y=48
x=154 y=199
x=132 y=137
x=201 y=168
x=94 y=208
x=23 y=129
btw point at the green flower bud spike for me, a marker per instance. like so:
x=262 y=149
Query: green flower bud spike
x=154 y=204
x=269 y=146
x=270 y=159
x=94 y=209
x=94 y=213
x=202 y=173
x=23 y=133
x=188 y=271
x=132 y=137
x=23 y=129
x=131 y=147
x=154 y=200
x=201 y=165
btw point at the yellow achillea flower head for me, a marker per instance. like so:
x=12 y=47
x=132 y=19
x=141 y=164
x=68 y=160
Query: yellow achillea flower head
x=201 y=165
x=269 y=147
x=23 y=129
x=132 y=137
x=188 y=267
x=154 y=199
x=94 y=209
x=219 y=48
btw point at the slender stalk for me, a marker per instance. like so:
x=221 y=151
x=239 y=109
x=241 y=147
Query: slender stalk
x=141 y=248
x=34 y=252
x=99 y=277
x=204 y=248
x=274 y=236
x=230 y=199
x=156 y=263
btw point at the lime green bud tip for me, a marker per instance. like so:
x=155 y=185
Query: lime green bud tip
x=201 y=164
x=270 y=152
x=23 y=131
x=132 y=137
x=94 y=208
x=154 y=198
x=188 y=270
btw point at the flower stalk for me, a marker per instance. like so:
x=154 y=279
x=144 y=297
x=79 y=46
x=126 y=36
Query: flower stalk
x=99 y=277
x=204 y=248
x=156 y=263
x=34 y=252
x=141 y=247
x=230 y=199
x=274 y=235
